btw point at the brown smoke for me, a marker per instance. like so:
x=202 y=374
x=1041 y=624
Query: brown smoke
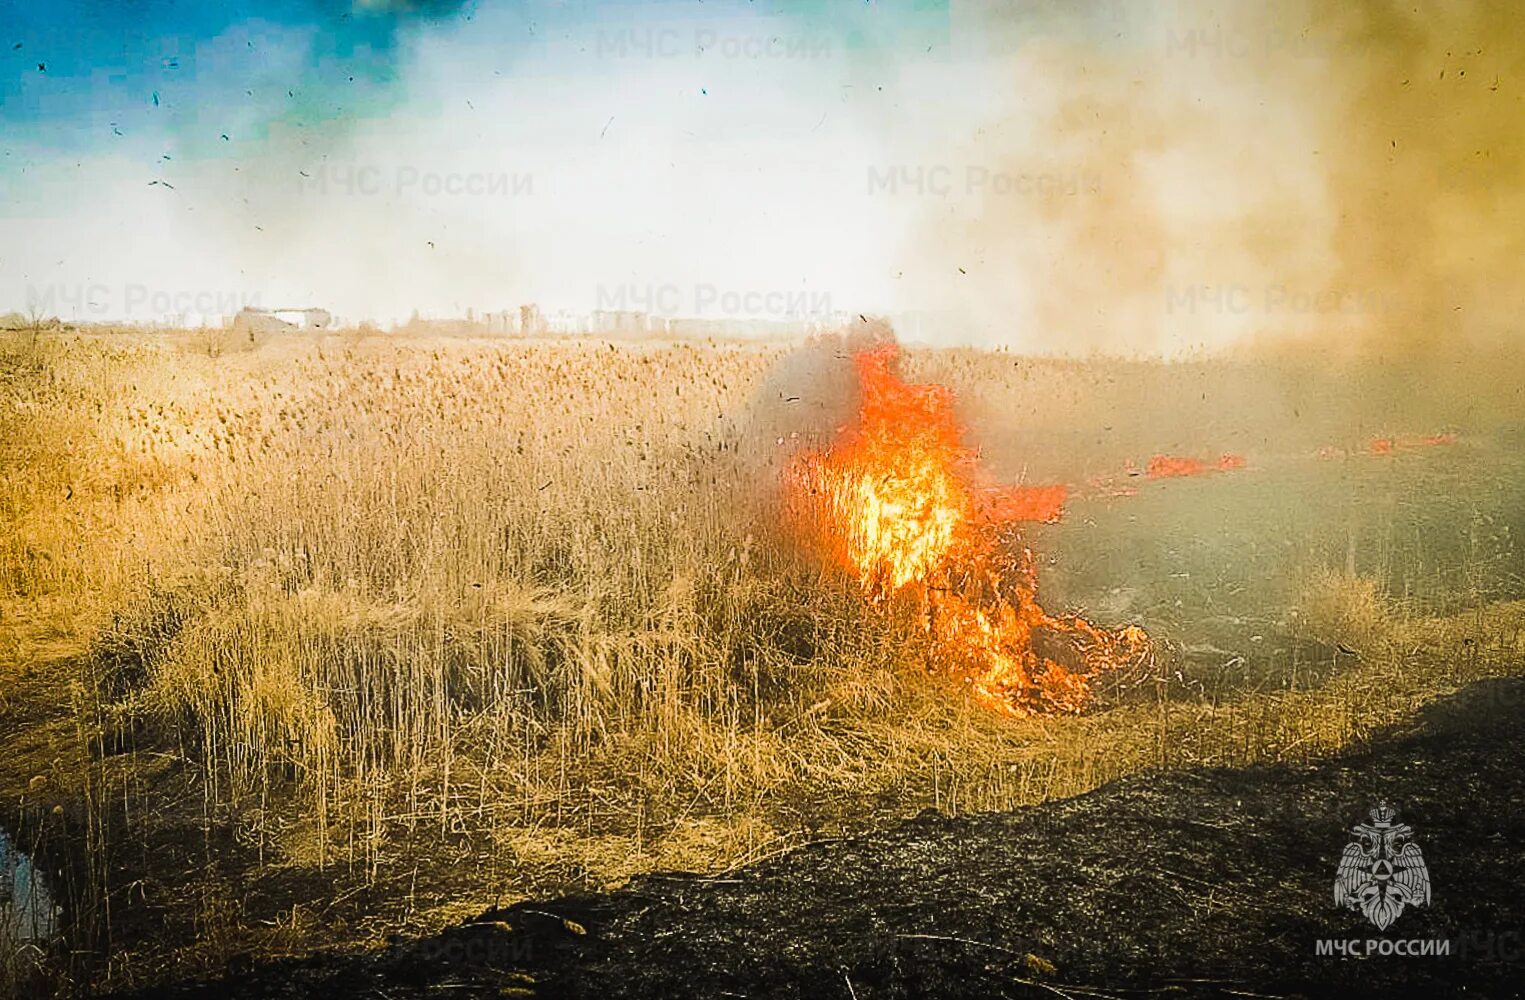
x=1429 y=167
x=1202 y=174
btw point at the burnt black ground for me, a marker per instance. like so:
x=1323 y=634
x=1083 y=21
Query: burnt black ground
x=1167 y=884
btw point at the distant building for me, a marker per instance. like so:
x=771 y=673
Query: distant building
x=531 y=321
x=256 y=322
x=619 y=323
x=505 y=321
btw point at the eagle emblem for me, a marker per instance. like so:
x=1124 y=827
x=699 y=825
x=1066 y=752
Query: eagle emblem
x=1382 y=870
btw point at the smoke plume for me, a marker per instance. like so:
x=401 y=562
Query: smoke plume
x=1192 y=175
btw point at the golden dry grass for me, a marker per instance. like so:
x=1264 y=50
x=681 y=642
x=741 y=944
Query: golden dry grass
x=1337 y=607
x=538 y=593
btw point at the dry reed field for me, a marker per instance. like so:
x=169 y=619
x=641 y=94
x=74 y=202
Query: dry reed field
x=352 y=636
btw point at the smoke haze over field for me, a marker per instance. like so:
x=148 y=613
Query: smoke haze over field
x=1060 y=177
x=1219 y=170
x=1430 y=171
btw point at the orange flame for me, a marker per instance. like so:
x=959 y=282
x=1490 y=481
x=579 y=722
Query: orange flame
x=895 y=500
x=1170 y=466
x=1166 y=466
x=1388 y=444
x=1028 y=503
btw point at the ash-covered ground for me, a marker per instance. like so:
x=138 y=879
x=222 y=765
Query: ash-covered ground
x=1204 y=882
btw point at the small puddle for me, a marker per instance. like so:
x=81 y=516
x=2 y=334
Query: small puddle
x=28 y=911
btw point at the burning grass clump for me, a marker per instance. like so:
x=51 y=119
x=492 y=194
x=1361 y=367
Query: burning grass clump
x=898 y=501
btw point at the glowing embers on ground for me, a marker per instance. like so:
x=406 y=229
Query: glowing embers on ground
x=1172 y=466
x=896 y=500
x=1390 y=445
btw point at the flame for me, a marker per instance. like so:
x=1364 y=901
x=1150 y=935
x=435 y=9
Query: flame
x=1166 y=466
x=896 y=500
x=1028 y=503
x=1170 y=466
x=1389 y=445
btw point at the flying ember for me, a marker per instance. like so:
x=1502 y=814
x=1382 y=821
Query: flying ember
x=897 y=500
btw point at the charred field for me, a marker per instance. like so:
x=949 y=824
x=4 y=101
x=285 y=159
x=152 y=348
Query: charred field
x=363 y=647
x=1119 y=892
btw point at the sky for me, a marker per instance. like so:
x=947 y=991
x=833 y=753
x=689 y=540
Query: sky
x=1052 y=176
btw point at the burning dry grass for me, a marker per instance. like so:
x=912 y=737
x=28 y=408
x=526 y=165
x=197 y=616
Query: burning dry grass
x=898 y=500
x=541 y=597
